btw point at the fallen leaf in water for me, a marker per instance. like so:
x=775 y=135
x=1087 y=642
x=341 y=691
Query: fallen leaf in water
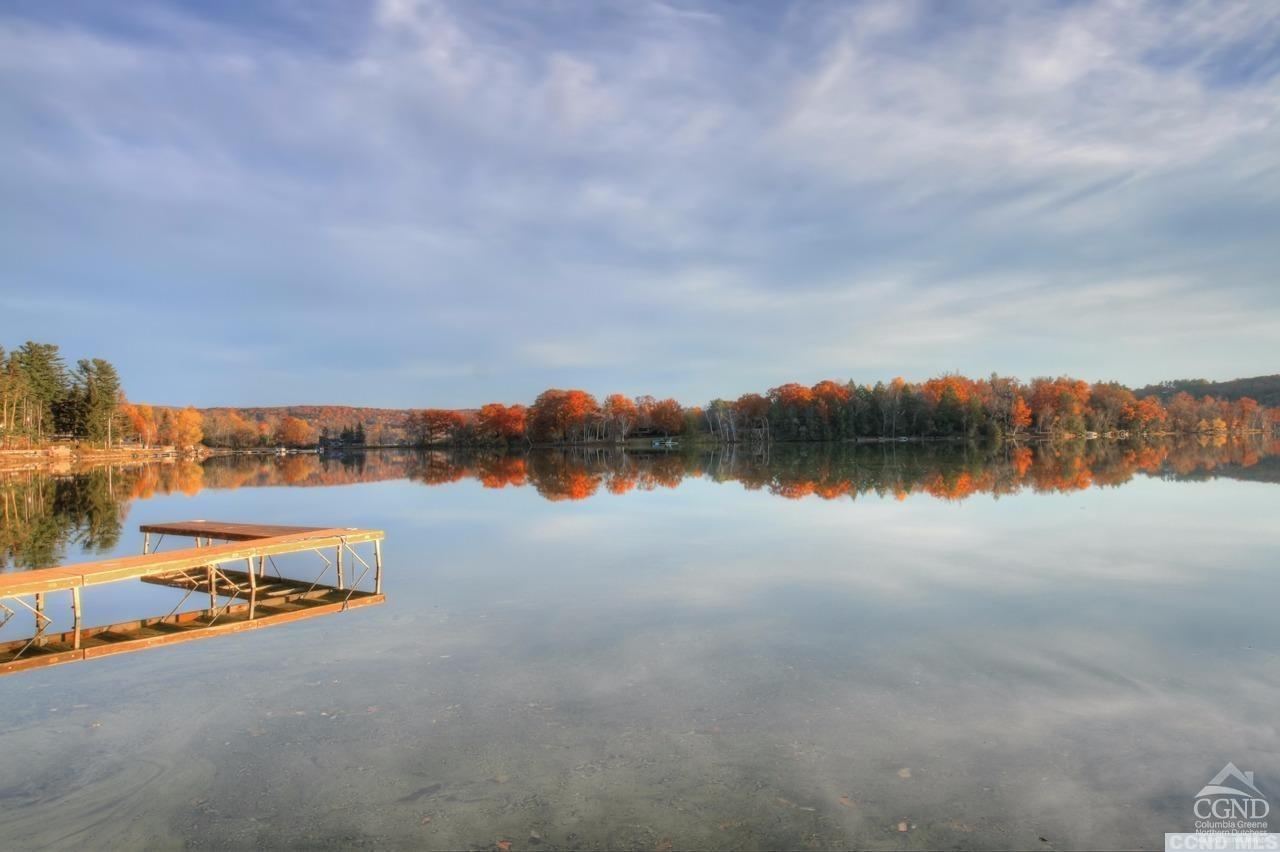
x=504 y=846
x=904 y=772
x=664 y=845
x=426 y=820
x=846 y=801
x=502 y=778
x=902 y=826
x=786 y=803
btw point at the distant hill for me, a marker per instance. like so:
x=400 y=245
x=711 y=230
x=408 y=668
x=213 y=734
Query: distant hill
x=1264 y=389
x=243 y=426
x=239 y=425
x=320 y=415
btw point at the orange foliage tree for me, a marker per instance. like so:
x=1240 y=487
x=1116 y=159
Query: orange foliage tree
x=1019 y=414
x=433 y=425
x=620 y=414
x=499 y=422
x=563 y=415
x=667 y=417
x=142 y=419
x=294 y=432
x=182 y=429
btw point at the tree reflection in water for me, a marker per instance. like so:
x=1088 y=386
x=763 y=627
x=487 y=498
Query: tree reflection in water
x=44 y=514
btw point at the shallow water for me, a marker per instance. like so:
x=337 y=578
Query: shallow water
x=988 y=649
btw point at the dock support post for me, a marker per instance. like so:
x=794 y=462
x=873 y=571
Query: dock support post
x=213 y=589
x=39 y=640
x=338 y=563
x=253 y=588
x=377 y=567
x=77 y=616
x=146 y=543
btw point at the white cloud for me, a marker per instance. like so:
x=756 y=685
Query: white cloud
x=891 y=187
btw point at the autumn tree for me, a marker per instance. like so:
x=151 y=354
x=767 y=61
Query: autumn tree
x=1109 y=402
x=141 y=419
x=1143 y=414
x=1019 y=414
x=828 y=401
x=1252 y=416
x=620 y=414
x=181 y=428
x=498 y=422
x=432 y=425
x=752 y=411
x=294 y=432
x=667 y=417
x=229 y=428
x=1059 y=405
x=1184 y=412
x=563 y=415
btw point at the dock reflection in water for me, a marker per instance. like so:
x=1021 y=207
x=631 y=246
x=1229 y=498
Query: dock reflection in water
x=237 y=600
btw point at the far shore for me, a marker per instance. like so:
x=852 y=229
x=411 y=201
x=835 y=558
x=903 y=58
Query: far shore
x=63 y=455
x=67 y=457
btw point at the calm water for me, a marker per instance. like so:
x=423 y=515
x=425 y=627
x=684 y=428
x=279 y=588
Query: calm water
x=815 y=649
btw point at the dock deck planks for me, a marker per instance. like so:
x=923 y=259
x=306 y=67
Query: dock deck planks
x=164 y=562
x=224 y=530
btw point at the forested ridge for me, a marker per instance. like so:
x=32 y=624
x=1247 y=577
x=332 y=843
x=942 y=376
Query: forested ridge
x=1265 y=389
x=43 y=399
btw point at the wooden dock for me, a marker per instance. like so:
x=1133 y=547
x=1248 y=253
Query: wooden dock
x=240 y=598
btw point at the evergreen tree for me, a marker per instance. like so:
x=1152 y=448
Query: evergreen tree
x=92 y=406
x=46 y=378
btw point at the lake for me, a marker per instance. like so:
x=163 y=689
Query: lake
x=813 y=647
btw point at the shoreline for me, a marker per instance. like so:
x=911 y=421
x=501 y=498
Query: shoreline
x=62 y=456
x=65 y=458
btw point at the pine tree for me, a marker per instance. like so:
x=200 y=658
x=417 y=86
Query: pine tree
x=93 y=404
x=46 y=378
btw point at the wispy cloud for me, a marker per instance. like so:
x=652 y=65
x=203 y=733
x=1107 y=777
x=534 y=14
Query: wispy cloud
x=517 y=196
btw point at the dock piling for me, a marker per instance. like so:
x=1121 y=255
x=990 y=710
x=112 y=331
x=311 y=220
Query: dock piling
x=77 y=616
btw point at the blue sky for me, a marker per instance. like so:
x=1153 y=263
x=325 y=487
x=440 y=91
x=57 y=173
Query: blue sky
x=413 y=203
